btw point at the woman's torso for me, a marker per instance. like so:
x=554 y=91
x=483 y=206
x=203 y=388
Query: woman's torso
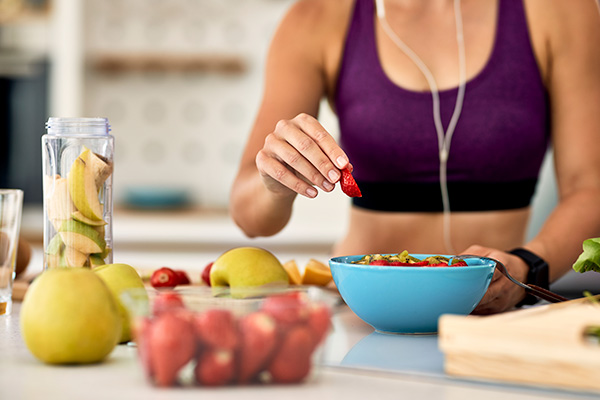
x=374 y=231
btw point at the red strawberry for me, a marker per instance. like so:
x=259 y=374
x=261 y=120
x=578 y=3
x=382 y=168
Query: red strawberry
x=292 y=361
x=172 y=346
x=288 y=309
x=258 y=333
x=319 y=321
x=348 y=184
x=206 y=274
x=182 y=277
x=215 y=367
x=379 y=262
x=216 y=328
x=163 y=277
x=167 y=301
x=441 y=264
x=459 y=264
x=142 y=331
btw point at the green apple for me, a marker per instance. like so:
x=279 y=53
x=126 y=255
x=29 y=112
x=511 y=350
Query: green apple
x=60 y=207
x=74 y=257
x=82 y=187
x=96 y=260
x=54 y=251
x=69 y=316
x=119 y=278
x=247 y=267
x=78 y=216
x=101 y=168
x=82 y=237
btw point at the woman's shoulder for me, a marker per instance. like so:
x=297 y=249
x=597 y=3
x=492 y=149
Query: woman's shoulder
x=558 y=25
x=317 y=17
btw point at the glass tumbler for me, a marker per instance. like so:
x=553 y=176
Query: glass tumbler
x=77 y=162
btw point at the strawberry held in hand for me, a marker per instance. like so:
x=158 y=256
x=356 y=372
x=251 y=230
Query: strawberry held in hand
x=348 y=184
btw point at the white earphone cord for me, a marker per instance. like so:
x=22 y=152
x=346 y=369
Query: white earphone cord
x=443 y=139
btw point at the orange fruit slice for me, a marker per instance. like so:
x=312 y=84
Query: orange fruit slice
x=316 y=273
x=293 y=273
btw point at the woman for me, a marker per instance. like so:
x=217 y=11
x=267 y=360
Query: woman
x=532 y=72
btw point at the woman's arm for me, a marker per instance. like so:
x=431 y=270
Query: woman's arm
x=288 y=151
x=574 y=89
x=571 y=70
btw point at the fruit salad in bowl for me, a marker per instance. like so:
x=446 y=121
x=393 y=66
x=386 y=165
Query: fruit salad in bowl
x=407 y=293
x=200 y=336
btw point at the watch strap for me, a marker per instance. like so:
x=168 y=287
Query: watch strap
x=538 y=273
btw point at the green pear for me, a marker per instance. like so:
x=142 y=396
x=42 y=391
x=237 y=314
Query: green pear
x=69 y=316
x=120 y=278
x=59 y=205
x=96 y=260
x=81 y=237
x=75 y=258
x=78 y=216
x=101 y=168
x=247 y=267
x=82 y=187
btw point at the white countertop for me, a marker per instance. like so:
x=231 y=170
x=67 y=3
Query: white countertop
x=349 y=372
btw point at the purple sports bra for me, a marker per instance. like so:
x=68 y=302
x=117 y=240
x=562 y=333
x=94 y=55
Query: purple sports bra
x=388 y=132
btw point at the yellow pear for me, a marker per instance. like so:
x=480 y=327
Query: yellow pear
x=120 y=278
x=247 y=267
x=69 y=316
x=83 y=189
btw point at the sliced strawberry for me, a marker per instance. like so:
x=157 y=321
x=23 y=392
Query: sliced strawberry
x=348 y=184
x=215 y=367
x=167 y=301
x=163 y=277
x=206 y=274
x=172 y=346
x=441 y=264
x=459 y=264
x=288 y=309
x=142 y=331
x=258 y=334
x=182 y=277
x=319 y=322
x=292 y=360
x=216 y=328
x=379 y=262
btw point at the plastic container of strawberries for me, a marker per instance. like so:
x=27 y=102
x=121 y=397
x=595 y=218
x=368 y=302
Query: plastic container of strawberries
x=201 y=336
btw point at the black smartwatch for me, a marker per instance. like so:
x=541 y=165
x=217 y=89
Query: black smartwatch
x=538 y=273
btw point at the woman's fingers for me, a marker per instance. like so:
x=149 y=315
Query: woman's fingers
x=325 y=141
x=301 y=154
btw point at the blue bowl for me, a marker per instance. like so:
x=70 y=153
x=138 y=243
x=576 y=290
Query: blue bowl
x=410 y=299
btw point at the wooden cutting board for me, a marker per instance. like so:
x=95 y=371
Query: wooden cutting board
x=543 y=345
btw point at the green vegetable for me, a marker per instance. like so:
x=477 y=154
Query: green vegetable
x=589 y=260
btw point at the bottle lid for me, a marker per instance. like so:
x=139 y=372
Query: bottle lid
x=71 y=125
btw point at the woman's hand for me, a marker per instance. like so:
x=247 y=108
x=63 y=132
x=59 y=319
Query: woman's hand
x=502 y=295
x=299 y=155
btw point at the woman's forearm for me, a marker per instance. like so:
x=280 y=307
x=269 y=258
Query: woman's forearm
x=255 y=209
x=576 y=218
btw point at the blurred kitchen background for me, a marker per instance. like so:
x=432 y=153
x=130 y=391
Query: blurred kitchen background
x=180 y=82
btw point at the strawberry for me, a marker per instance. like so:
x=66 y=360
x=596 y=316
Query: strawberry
x=408 y=264
x=163 y=277
x=319 y=322
x=348 y=184
x=292 y=361
x=142 y=331
x=288 y=309
x=216 y=328
x=167 y=301
x=172 y=346
x=459 y=264
x=182 y=277
x=215 y=367
x=379 y=262
x=441 y=264
x=206 y=274
x=258 y=334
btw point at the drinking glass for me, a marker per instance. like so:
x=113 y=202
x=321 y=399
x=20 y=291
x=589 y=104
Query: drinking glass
x=11 y=206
